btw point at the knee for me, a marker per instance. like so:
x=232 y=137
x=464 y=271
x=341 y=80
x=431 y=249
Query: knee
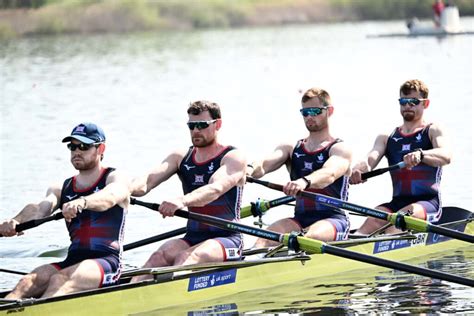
x=57 y=280
x=35 y=278
x=187 y=258
x=159 y=258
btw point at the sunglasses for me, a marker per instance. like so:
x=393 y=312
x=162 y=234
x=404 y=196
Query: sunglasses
x=200 y=124
x=410 y=101
x=312 y=111
x=81 y=146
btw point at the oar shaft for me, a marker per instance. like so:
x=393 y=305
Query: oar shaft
x=411 y=222
x=156 y=238
x=397 y=265
x=221 y=223
x=311 y=245
x=377 y=172
x=13 y=271
x=448 y=232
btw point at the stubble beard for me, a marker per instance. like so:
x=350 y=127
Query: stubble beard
x=317 y=127
x=201 y=142
x=83 y=165
x=408 y=116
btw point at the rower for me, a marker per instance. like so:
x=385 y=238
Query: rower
x=94 y=204
x=213 y=176
x=423 y=148
x=318 y=163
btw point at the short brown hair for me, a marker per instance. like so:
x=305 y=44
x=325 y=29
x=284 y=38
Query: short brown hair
x=197 y=107
x=414 y=85
x=321 y=94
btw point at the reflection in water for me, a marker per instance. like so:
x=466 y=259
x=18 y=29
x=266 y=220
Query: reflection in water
x=390 y=291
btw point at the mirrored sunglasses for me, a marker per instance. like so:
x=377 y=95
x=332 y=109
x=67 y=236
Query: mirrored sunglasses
x=200 y=124
x=312 y=111
x=410 y=101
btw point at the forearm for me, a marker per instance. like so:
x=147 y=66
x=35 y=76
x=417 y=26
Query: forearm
x=203 y=196
x=33 y=211
x=106 y=198
x=436 y=157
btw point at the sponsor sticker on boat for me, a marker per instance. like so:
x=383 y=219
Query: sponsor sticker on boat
x=208 y=280
x=382 y=246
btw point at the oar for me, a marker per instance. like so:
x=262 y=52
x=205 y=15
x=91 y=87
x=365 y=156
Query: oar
x=36 y=222
x=376 y=172
x=311 y=245
x=13 y=271
x=397 y=219
x=255 y=209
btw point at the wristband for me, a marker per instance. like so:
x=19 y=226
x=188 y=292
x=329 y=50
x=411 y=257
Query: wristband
x=422 y=155
x=308 y=182
x=85 y=202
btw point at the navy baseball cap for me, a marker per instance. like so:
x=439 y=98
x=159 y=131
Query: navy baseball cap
x=87 y=133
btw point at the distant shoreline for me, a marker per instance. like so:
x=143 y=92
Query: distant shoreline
x=122 y=16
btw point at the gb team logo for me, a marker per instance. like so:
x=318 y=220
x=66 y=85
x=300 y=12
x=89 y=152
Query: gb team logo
x=198 y=179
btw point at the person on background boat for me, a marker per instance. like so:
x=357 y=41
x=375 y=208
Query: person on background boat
x=423 y=147
x=94 y=204
x=318 y=163
x=438 y=7
x=212 y=176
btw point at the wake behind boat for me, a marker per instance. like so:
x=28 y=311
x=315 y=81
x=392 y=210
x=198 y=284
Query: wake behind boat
x=173 y=286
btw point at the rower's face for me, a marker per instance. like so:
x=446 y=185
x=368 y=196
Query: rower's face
x=85 y=157
x=411 y=112
x=316 y=122
x=204 y=129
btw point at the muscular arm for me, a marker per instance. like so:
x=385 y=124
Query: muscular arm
x=116 y=191
x=142 y=185
x=33 y=211
x=338 y=164
x=440 y=155
x=371 y=160
x=272 y=162
x=231 y=173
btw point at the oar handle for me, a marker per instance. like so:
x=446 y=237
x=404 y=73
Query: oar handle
x=376 y=172
x=36 y=222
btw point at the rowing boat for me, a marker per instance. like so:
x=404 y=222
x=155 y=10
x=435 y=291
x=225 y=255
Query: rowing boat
x=173 y=286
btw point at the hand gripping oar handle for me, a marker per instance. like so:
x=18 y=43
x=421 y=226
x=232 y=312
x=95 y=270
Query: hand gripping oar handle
x=36 y=222
x=409 y=222
x=311 y=245
x=376 y=172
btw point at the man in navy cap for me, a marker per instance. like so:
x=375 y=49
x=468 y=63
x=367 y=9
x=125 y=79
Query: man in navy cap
x=94 y=204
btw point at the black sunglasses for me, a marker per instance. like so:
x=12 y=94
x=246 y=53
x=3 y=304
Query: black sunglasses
x=410 y=101
x=81 y=146
x=200 y=124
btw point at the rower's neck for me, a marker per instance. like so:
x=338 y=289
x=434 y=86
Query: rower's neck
x=412 y=127
x=205 y=153
x=86 y=178
x=317 y=140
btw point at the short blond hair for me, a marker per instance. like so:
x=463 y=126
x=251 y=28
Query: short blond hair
x=321 y=94
x=414 y=85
